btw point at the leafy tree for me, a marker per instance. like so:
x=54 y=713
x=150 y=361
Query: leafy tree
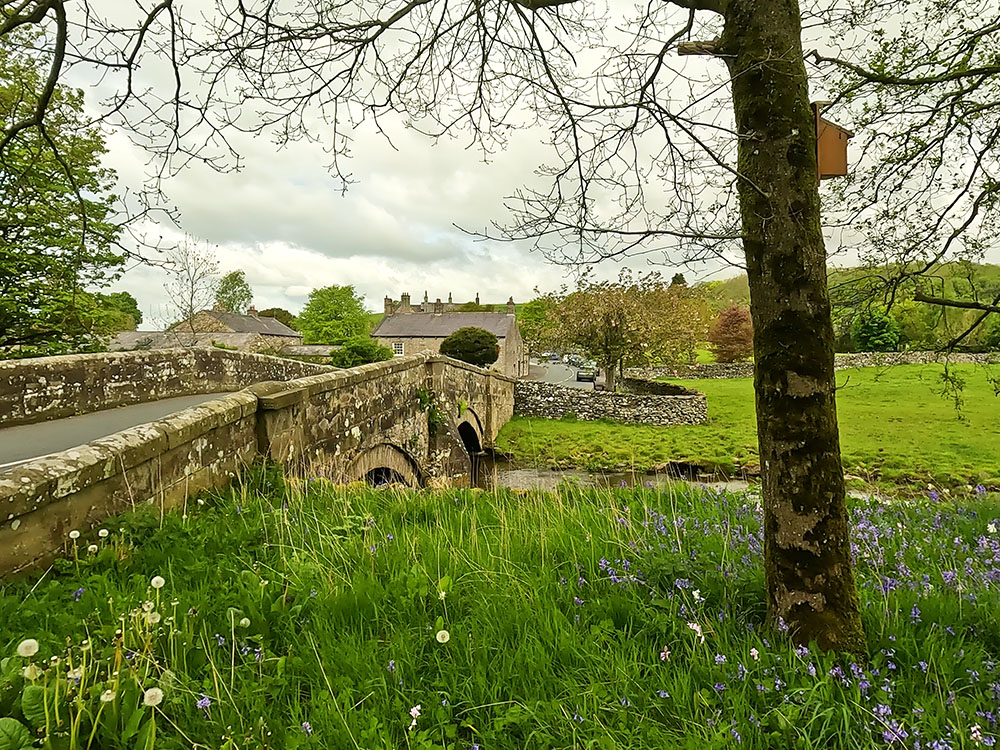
x=333 y=315
x=731 y=335
x=477 y=346
x=536 y=320
x=632 y=321
x=57 y=228
x=360 y=350
x=233 y=293
x=678 y=280
x=122 y=309
x=281 y=315
x=991 y=339
x=875 y=331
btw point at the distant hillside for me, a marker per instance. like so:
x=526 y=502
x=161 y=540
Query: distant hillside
x=952 y=278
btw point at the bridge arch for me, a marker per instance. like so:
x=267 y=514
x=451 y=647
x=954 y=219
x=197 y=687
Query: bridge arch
x=386 y=463
x=470 y=432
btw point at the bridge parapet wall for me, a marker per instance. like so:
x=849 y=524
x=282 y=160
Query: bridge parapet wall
x=43 y=388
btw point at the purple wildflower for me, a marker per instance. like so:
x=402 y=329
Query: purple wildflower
x=307 y=728
x=77 y=594
x=204 y=703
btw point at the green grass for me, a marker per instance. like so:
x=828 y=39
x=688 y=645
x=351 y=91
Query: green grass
x=896 y=426
x=306 y=615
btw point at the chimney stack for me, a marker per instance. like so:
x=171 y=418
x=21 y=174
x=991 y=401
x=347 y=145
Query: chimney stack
x=252 y=311
x=510 y=306
x=404 y=303
x=387 y=310
x=438 y=306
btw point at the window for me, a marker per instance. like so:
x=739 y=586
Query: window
x=397 y=348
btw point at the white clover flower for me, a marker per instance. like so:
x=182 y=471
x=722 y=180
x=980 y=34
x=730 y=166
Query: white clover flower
x=152 y=697
x=244 y=622
x=74 y=534
x=147 y=606
x=27 y=648
x=31 y=672
x=153 y=618
x=75 y=674
x=92 y=549
x=103 y=533
x=992 y=528
x=442 y=595
x=157 y=582
x=107 y=696
x=443 y=636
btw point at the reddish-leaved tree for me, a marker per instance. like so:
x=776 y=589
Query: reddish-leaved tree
x=731 y=335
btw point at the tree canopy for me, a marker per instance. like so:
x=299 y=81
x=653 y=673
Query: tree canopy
x=233 y=293
x=57 y=233
x=633 y=321
x=281 y=315
x=332 y=315
x=477 y=346
x=360 y=350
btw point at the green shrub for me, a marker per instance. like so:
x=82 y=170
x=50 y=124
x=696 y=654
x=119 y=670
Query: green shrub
x=875 y=331
x=477 y=346
x=360 y=350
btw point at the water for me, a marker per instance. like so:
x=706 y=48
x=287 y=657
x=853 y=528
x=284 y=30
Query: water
x=500 y=473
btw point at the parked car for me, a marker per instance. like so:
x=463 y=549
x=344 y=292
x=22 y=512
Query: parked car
x=553 y=358
x=586 y=374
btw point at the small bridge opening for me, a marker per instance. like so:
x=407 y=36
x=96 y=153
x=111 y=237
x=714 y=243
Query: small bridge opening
x=383 y=475
x=470 y=439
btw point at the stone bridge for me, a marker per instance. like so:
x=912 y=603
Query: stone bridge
x=420 y=420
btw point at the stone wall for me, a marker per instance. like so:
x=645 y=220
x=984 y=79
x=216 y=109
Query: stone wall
x=341 y=424
x=42 y=388
x=842 y=362
x=554 y=402
x=162 y=463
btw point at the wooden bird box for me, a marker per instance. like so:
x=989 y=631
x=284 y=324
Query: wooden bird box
x=831 y=145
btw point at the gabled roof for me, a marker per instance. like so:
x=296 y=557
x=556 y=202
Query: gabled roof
x=253 y=324
x=432 y=326
x=128 y=340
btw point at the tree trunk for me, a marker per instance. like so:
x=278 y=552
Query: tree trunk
x=610 y=379
x=810 y=583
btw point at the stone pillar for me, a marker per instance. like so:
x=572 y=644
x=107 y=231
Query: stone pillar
x=510 y=306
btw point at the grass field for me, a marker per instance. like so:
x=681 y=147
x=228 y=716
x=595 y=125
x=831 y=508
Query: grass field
x=308 y=616
x=896 y=425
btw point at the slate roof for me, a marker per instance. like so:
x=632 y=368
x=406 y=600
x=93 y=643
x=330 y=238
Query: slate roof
x=431 y=326
x=128 y=340
x=253 y=324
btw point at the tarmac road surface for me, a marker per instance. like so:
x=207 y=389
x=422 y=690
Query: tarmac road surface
x=25 y=442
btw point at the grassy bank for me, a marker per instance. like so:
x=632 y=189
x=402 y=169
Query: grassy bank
x=895 y=424
x=312 y=616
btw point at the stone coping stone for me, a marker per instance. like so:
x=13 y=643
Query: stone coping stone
x=34 y=483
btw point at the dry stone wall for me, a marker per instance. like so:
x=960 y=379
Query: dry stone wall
x=841 y=362
x=38 y=389
x=555 y=402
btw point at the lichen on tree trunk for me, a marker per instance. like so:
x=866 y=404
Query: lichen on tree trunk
x=806 y=549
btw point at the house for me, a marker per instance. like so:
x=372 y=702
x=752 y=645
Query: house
x=409 y=330
x=246 y=333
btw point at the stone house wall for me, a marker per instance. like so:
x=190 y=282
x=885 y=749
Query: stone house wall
x=511 y=362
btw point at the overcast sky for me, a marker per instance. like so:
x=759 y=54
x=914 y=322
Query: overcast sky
x=284 y=220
